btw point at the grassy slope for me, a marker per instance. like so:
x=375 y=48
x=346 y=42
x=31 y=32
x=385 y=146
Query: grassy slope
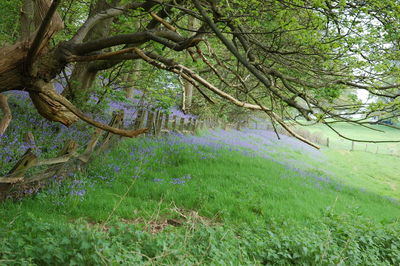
x=375 y=173
x=228 y=185
x=154 y=180
x=366 y=170
x=231 y=187
x=361 y=133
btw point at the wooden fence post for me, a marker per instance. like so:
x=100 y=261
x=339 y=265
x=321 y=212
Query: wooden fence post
x=166 y=124
x=327 y=142
x=143 y=119
x=90 y=146
x=182 y=124
x=155 y=123
x=159 y=123
x=116 y=121
x=149 y=123
x=139 y=119
x=174 y=118
x=194 y=125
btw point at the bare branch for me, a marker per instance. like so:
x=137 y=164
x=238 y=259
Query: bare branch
x=359 y=140
x=67 y=104
x=259 y=75
x=165 y=37
x=162 y=21
x=189 y=74
x=109 y=13
x=99 y=56
x=51 y=161
x=283 y=124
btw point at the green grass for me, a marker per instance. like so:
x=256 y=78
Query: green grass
x=227 y=186
x=384 y=133
x=362 y=168
x=222 y=189
x=376 y=173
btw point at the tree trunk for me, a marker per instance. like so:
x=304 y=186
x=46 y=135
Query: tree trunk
x=83 y=76
x=11 y=61
x=17 y=74
x=7 y=117
x=80 y=81
x=131 y=78
x=188 y=91
x=134 y=76
x=187 y=86
x=27 y=22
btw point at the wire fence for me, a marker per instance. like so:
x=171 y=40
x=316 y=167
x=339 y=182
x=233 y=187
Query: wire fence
x=318 y=137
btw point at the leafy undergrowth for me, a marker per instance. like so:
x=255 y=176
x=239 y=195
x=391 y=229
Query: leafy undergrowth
x=336 y=240
x=196 y=200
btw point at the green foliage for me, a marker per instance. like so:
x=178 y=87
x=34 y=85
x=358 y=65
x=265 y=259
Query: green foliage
x=38 y=243
x=328 y=94
x=346 y=240
x=161 y=90
x=247 y=210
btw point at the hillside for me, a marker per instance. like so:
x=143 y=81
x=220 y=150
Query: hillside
x=218 y=197
x=157 y=132
x=369 y=166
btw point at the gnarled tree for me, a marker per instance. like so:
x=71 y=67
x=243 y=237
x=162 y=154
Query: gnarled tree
x=284 y=58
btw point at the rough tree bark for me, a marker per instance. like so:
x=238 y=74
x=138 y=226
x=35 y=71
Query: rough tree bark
x=7 y=117
x=27 y=22
x=83 y=74
x=187 y=86
x=31 y=65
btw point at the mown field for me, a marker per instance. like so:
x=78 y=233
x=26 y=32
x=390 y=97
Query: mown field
x=370 y=166
x=221 y=197
x=369 y=133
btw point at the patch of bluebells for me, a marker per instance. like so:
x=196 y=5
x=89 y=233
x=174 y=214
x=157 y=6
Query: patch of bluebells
x=252 y=143
x=50 y=137
x=181 y=180
x=175 y=181
x=61 y=190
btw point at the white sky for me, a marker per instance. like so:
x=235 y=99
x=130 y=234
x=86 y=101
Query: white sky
x=363 y=95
